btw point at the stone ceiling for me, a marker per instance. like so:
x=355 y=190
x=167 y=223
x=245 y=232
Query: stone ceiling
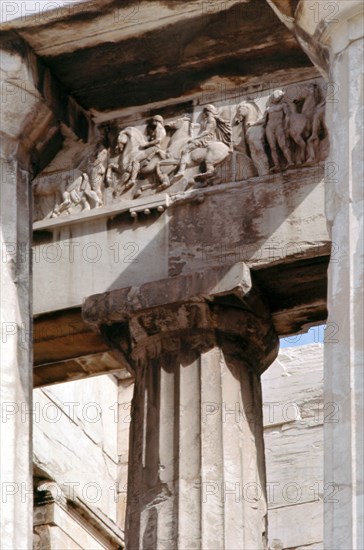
x=112 y=54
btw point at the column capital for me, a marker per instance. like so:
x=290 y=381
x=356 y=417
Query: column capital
x=197 y=311
x=332 y=24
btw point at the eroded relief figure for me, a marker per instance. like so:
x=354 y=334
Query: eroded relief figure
x=86 y=190
x=137 y=156
x=142 y=158
x=276 y=121
x=77 y=192
x=97 y=174
x=80 y=189
x=214 y=130
x=289 y=133
x=300 y=123
x=249 y=115
x=318 y=128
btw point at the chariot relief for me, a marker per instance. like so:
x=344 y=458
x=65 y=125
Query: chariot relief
x=180 y=154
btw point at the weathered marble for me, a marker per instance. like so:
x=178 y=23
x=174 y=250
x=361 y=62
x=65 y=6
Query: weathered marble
x=153 y=59
x=344 y=382
x=294 y=418
x=185 y=46
x=292 y=392
x=334 y=41
x=16 y=362
x=31 y=111
x=126 y=389
x=196 y=345
x=62 y=521
x=75 y=439
x=206 y=145
x=15 y=289
x=77 y=257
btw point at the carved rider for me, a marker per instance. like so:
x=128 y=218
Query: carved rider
x=213 y=128
x=276 y=119
x=156 y=134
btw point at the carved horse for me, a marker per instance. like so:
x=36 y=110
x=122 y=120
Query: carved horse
x=212 y=155
x=133 y=159
x=299 y=125
x=182 y=133
x=164 y=167
x=318 y=127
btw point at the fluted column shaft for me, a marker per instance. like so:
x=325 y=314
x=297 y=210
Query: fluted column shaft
x=197 y=477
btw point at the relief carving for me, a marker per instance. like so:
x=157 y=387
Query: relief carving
x=77 y=192
x=276 y=123
x=84 y=190
x=211 y=146
x=288 y=133
x=180 y=154
x=97 y=175
x=138 y=157
x=74 y=191
x=317 y=144
x=168 y=159
x=250 y=116
x=299 y=124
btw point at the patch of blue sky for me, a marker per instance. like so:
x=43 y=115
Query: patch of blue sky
x=315 y=335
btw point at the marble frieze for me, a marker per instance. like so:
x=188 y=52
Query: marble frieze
x=139 y=165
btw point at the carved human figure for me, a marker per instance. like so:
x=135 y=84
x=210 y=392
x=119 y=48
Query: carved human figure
x=213 y=128
x=138 y=156
x=97 y=174
x=156 y=134
x=77 y=192
x=276 y=120
x=249 y=115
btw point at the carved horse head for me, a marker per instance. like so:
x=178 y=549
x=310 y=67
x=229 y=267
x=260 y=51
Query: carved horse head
x=180 y=136
x=128 y=144
x=248 y=112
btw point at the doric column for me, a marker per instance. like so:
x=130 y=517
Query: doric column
x=16 y=358
x=26 y=130
x=15 y=311
x=332 y=35
x=344 y=349
x=197 y=345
